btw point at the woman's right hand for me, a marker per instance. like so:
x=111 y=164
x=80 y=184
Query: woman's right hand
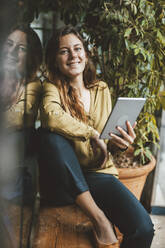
x=99 y=143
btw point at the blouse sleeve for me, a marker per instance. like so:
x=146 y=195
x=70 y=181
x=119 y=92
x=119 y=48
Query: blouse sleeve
x=56 y=119
x=32 y=102
x=24 y=112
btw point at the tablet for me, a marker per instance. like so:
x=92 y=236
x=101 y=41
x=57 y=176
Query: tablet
x=125 y=109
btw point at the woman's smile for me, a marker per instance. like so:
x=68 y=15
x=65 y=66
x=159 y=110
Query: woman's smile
x=73 y=63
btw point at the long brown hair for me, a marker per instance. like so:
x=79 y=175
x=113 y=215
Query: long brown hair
x=68 y=94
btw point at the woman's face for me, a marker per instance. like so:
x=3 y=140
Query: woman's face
x=14 y=52
x=71 y=56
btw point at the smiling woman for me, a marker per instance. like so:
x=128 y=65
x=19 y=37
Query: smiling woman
x=70 y=60
x=20 y=59
x=79 y=167
x=19 y=98
x=14 y=52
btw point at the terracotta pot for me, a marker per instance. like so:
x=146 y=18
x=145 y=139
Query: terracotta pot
x=135 y=178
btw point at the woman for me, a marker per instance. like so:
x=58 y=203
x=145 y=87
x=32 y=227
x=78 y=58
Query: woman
x=74 y=110
x=20 y=60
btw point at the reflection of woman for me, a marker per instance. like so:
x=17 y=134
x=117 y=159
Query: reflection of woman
x=21 y=57
x=78 y=164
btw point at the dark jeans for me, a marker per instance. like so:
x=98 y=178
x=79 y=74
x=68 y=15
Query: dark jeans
x=61 y=180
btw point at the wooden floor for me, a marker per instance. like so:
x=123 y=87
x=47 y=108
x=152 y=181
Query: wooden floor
x=159 y=238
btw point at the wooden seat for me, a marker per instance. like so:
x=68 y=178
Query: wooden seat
x=17 y=225
x=63 y=227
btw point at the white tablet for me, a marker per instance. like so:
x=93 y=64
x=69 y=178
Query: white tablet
x=125 y=109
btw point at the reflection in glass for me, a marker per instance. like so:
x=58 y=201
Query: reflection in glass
x=20 y=59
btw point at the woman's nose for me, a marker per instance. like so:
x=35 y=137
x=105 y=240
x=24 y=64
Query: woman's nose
x=73 y=54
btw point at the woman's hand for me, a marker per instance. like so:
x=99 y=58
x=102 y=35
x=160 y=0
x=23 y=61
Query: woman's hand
x=127 y=138
x=99 y=143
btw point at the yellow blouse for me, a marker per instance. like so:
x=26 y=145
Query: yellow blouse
x=24 y=112
x=54 y=118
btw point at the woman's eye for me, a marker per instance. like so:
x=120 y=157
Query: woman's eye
x=78 y=49
x=22 y=48
x=8 y=43
x=63 y=52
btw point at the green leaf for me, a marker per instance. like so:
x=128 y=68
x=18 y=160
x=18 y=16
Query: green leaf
x=161 y=37
x=137 y=152
x=148 y=153
x=136 y=51
x=127 y=32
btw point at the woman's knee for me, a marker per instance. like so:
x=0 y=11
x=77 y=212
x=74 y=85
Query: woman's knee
x=140 y=237
x=54 y=142
x=49 y=138
x=145 y=231
x=57 y=151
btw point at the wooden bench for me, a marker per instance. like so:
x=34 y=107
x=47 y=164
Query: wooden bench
x=17 y=225
x=63 y=227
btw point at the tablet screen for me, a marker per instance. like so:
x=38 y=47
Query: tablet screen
x=125 y=109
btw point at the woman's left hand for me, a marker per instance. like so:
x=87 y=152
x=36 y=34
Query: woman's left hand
x=126 y=139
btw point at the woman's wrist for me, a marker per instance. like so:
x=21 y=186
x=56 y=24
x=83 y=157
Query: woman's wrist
x=95 y=135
